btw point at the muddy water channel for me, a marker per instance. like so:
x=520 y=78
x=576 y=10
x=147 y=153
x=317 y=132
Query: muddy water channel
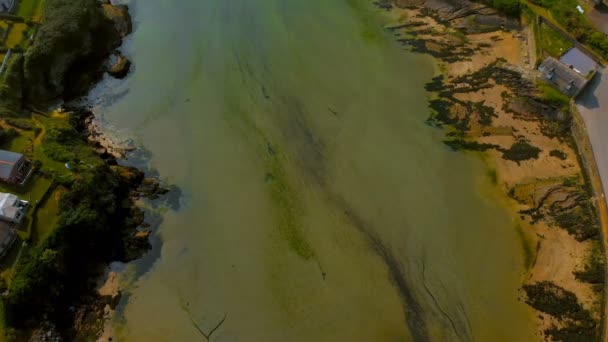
x=317 y=204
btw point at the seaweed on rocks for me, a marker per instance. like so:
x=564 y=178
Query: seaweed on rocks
x=576 y=323
x=460 y=144
x=520 y=151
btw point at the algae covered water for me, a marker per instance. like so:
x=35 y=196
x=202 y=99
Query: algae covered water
x=317 y=205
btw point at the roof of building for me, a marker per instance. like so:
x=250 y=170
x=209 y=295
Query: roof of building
x=579 y=61
x=7 y=162
x=562 y=76
x=8 y=207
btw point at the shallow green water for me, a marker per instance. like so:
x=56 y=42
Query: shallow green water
x=317 y=204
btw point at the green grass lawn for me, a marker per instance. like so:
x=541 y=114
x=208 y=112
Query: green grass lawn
x=553 y=42
x=39 y=149
x=552 y=95
x=33 y=192
x=46 y=216
x=20 y=142
x=30 y=9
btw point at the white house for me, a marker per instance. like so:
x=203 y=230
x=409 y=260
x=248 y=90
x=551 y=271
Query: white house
x=12 y=209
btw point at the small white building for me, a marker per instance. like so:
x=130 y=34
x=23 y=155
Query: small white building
x=12 y=209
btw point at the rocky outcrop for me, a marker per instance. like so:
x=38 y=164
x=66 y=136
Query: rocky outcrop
x=468 y=16
x=104 y=146
x=67 y=55
x=119 y=15
x=151 y=188
x=118 y=65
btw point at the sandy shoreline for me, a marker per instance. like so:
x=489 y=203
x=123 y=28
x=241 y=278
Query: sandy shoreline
x=479 y=101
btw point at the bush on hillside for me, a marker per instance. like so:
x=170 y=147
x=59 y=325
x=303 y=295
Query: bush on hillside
x=72 y=33
x=11 y=89
x=89 y=231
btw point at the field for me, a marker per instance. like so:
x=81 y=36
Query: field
x=16 y=35
x=31 y=9
x=553 y=42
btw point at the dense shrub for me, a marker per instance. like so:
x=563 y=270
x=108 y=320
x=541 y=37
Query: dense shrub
x=89 y=231
x=593 y=271
x=21 y=123
x=508 y=7
x=60 y=141
x=6 y=135
x=11 y=89
x=73 y=32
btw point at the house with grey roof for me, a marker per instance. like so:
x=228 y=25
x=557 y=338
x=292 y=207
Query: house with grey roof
x=6 y=5
x=12 y=208
x=562 y=77
x=12 y=212
x=571 y=73
x=14 y=167
x=578 y=61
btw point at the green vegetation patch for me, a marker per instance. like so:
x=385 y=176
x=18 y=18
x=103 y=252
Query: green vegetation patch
x=21 y=123
x=284 y=197
x=561 y=155
x=553 y=42
x=51 y=64
x=63 y=144
x=551 y=299
x=30 y=8
x=11 y=88
x=521 y=151
x=7 y=136
x=46 y=216
x=580 y=221
x=467 y=145
x=552 y=96
x=593 y=271
x=92 y=226
x=577 y=24
x=576 y=323
x=510 y=8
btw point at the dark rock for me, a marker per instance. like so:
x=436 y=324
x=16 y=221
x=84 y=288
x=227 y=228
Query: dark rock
x=142 y=234
x=119 y=14
x=119 y=65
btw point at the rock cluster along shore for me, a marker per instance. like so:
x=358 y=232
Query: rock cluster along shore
x=88 y=309
x=118 y=65
x=104 y=146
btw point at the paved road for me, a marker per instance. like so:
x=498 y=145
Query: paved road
x=599 y=16
x=592 y=104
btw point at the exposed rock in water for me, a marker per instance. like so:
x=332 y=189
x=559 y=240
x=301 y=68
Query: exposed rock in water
x=119 y=14
x=137 y=245
x=130 y=175
x=151 y=188
x=104 y=146
x=119 y=65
